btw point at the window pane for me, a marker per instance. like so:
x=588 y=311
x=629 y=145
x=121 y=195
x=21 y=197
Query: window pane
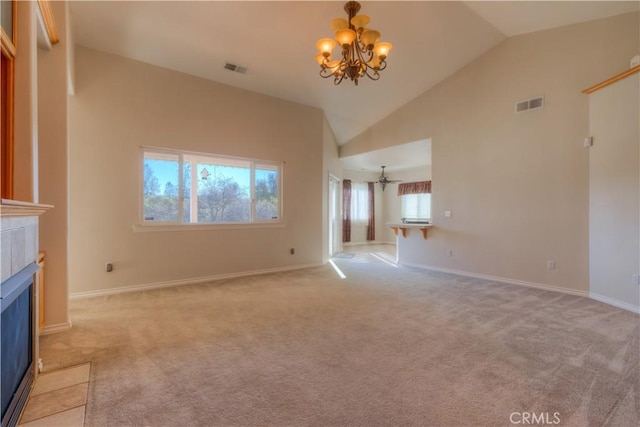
x=359 y=203
x=186 y=192
x=267 y=204
x=161 y=187
x=416 y=206
x=223 y=193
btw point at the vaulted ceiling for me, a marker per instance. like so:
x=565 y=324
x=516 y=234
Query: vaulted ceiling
x=275 y=41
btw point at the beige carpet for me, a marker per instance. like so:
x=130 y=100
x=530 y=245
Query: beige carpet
x=384 y=347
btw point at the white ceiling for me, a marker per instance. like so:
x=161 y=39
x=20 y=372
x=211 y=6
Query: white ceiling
x=398 y=157
x=520 y=17
x=275 y=41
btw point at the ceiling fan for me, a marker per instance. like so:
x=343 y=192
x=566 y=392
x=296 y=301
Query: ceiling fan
x=383 y=180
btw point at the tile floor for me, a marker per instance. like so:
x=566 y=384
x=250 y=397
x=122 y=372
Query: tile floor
x=58 y=398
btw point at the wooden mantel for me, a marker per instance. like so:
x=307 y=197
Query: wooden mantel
x=631 y=71
x=15 y=208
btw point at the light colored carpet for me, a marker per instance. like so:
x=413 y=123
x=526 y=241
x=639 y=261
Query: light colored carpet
x=384 y=347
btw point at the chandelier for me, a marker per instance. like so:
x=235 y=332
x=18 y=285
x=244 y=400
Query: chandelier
x=361 y=55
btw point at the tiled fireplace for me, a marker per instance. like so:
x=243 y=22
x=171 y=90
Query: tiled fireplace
x=18 y=305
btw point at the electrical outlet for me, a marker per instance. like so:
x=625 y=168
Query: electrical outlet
x=447 y=214
x=588 y=142
x=635 y=280
x=292 y=251
x=109 y=267
x=551 y=264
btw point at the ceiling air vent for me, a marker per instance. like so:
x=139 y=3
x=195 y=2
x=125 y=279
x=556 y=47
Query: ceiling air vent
x=234 y=67
x=530 y=104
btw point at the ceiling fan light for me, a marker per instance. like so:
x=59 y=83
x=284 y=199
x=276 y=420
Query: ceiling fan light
x=382 y=50
x=325 y=45
x=338 y=24
x=345 y=37
x=369 y=38
x=360 y=21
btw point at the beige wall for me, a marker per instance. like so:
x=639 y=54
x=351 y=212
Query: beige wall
x=614 y=192
x=52 y=152
x=517 y=184
x=121 y=104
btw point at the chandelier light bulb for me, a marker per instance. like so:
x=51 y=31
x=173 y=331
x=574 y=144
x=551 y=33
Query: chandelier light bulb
x=338 y=24
x=321 y=58
x=345 y=37
x=360 y=21
x=382 y=50
x=325 y=45
x=374 y=62
x=369 y=38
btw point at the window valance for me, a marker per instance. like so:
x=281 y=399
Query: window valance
x=419 y=187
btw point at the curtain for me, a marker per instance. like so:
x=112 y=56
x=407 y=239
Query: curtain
x=414 y=188
x=346 y=210
x=371 y=227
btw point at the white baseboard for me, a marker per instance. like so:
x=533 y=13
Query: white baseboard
x=54 y=329
x=368 y=242
x=591 y=295
x=180 y=282
x=614 y=302
x=502 y=280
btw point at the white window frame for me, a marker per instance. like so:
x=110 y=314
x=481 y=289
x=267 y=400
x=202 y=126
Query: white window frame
x=145 y=225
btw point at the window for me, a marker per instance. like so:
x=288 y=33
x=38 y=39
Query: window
x=416 y=206
x=189 y=188
x=359 y=203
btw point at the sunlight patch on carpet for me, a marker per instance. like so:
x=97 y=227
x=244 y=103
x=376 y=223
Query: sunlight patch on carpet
x=335 y=267
x=392 y=264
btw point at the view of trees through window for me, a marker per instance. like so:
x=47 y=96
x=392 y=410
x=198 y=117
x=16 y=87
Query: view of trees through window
x=212 y=189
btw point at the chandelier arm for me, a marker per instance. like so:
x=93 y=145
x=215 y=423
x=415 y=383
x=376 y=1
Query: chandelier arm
x=323 y=73
x=375 y=76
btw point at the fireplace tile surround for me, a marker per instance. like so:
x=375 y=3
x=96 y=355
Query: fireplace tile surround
x=18 y=250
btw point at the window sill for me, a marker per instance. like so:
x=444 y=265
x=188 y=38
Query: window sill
x=145 y=228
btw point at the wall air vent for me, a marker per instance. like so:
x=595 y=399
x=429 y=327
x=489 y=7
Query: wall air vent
x=234 y=67
x=530 y=104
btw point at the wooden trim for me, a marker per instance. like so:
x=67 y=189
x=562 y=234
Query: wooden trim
x=6 y=122
x=612 y=80
x=49 y=21
x=8 y=48
x=15 y=208
x=9 y=44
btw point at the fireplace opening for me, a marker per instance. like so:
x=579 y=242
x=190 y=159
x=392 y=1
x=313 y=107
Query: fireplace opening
x=16 y=343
